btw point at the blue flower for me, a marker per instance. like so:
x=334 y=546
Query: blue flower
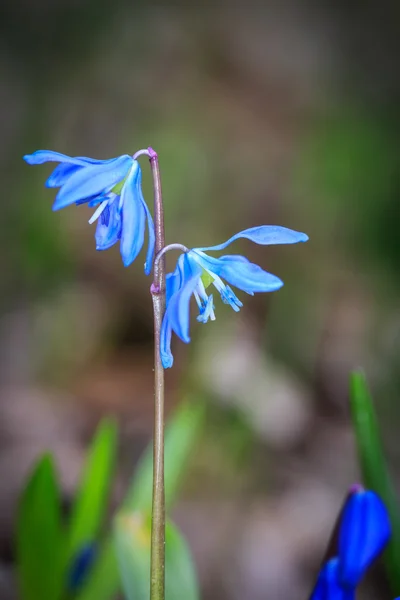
x=363 y=534
x=115 y=186
x=195 y=270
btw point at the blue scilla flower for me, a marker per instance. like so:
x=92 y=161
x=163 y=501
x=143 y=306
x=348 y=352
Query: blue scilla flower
x=114 y=186
x=195 y=270
x=364 y=531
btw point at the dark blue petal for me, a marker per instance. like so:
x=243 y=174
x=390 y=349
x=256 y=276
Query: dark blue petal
x=61 y=173
x=265 y=235
x=81 y=567
x=364 y=532
x=178 y=309
x=165 y=343
x=108 y=231
x=105 y=216
x=92 y=180
x=239 y=272
x=328 y=586
x=133 y=217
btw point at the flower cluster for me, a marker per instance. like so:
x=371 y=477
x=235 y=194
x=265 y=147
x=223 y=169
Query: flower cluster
x=114 y=186
x=364 y=531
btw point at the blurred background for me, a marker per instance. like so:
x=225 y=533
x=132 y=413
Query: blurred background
x=281 y=113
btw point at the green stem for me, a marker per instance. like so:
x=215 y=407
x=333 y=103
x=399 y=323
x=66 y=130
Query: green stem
x=157 y=564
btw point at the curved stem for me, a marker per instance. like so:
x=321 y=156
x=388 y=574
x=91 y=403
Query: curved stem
x=144 y=151
x=166 y=249
x=157 y=561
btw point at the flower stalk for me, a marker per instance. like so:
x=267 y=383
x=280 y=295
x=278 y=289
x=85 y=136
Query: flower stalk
x=157 y=560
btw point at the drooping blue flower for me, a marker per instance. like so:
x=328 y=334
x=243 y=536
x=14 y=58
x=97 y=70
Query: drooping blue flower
x=196 y=267
x=115 y=186
x=364 y=531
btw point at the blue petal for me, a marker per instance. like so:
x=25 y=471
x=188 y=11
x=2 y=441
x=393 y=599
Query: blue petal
x=174 y=280
x=328 y=586
x=152 y=236
x=41 y=156
x=167 y=358
x=178 y=309
x=107 y=234
x=364 y=532
x=265 y=235
x=239 y=272
x=81 y=566
x=61 y=173
x=133 y=217
x=92 y=180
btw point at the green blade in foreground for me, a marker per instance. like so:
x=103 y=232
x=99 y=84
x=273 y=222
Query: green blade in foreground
x=181 y=436
x=374 y=469
x=40 y=540
x=93 y=494
x=132 y=541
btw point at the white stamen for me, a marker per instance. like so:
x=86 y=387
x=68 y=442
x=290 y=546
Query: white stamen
x=202 y=290
x=199 y=302
x=98 y=211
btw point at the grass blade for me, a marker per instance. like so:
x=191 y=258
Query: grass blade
x=374 y=468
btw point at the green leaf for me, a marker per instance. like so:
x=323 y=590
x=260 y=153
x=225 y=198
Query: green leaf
x=93 y=493
x=40 y=539
x=180 y=436
x=374 y=468
x=132 y=533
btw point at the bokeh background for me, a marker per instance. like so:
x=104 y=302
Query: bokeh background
x=282 y=113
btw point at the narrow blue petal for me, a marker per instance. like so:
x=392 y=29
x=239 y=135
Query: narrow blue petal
x=42 y=156
x=265 y=235
x=167 y=358
x=174 y=280
x=328 y=586
x=240 y=273
x=92 y=180
x=133 y=217
x=61 y=173
x=178 y=309
x=108 y=231
x=364 y=532
x=148 y=265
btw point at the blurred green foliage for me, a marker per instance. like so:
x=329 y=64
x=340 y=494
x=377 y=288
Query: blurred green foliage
x=48 y=546
x=132 y=540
